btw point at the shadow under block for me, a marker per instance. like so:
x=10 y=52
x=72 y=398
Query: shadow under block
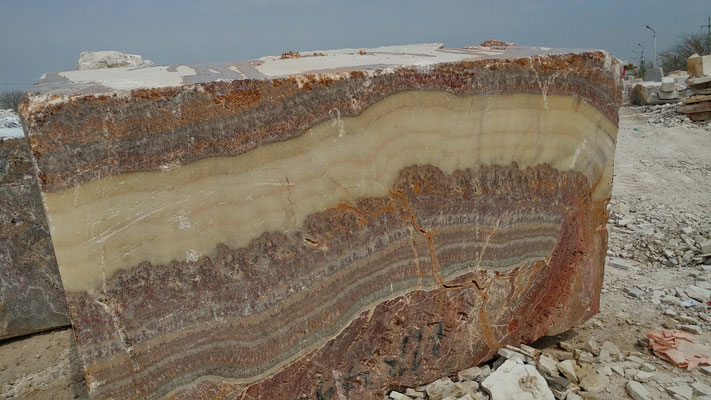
x=31 y=294
x=330 y=225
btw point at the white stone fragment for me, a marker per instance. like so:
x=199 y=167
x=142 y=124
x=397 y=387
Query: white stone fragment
x=618 y=370
x=547 y=365
x=695 y=329
x=515 y=380
x=110 y=59
x=683 y=391
x=648 y=367
x=643 y=376
x=567 y=368
x=698 y=293
x=399 y=396
x=637 y=391
x=470 y=374
x=511 y=355
x=441 y=388
x=701 y=389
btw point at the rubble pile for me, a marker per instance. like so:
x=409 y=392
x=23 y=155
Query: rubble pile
x=563 y=372
x=698 y=106
x=657 y=234
x=646 y=93
x=665 y=115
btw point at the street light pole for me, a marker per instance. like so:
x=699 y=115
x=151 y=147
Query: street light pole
x=655 y=44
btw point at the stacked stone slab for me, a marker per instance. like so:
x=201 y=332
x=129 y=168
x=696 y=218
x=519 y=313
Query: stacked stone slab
x=31 y=293
x=330 y=224
x=698 y=106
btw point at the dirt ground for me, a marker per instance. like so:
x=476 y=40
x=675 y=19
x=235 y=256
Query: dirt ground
x=661 y=199
x=662 y=184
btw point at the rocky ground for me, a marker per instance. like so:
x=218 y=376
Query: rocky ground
x=10 y=124
x=657 y=270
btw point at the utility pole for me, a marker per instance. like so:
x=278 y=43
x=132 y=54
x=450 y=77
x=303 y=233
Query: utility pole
x=654 y=61
x=708 y=35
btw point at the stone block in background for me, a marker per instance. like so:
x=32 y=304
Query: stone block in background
x=644 y=93
x=698 y=66
x=327 y=224
x=31 y=294
x=668 y=85
x=654 y=74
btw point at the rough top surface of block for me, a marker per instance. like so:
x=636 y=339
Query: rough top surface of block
x=106 y=81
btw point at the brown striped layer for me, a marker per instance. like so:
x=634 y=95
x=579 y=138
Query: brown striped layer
x=290 y=314
x=87 y=137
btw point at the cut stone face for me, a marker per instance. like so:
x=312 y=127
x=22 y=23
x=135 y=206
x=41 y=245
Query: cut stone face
x=328 y=224
x=31 y=294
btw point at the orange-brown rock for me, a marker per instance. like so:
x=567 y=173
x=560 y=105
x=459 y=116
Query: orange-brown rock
x=324 y=227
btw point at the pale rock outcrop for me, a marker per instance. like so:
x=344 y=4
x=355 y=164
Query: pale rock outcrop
x=110 y=59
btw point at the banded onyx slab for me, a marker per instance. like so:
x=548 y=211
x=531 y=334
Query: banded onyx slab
x=325 y=224
x=31 y=293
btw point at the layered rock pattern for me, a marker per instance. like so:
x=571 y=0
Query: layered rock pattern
x=31 y=294
x=324 y=226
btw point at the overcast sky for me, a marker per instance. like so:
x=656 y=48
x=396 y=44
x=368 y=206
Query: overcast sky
x=43 y=36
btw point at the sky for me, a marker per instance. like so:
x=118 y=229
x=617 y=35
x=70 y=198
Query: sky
x=48 y=36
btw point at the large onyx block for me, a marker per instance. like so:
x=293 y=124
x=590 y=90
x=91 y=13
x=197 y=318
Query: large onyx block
x=31 y=294
x=324 y=225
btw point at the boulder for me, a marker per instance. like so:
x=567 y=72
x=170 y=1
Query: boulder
x=336 y=220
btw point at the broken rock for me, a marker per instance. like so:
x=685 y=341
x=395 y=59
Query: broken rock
x=701 y=389
x=683 y=391
x=399 y=396
x=516 y=380
x=567 y=368
x=594 y=382
x=470 y=374
x=698 y=293
x=441 y=388
x=643 y=376
x=548 y=365
x=31 y=294
x=251 y=227
x=637 y=391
